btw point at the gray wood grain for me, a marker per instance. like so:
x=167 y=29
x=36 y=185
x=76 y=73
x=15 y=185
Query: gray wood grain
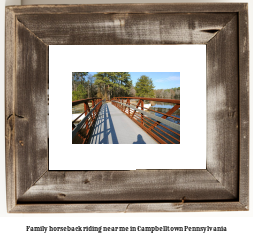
x=244 y=106
x=134 y=29
x=139 y=185
x=223 y=186
x=186 y=207
x=9 y=108
x=129 y=207
x=222 y=107
x=156 y=8
x=30 y=109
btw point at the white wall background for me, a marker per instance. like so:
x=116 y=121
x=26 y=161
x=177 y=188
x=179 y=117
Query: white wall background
x=239 y=222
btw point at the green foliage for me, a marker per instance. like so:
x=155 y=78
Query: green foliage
x=116 y=84
x=79 y=85
x=113 y=84
x=144 y=87
x=79 y=76
x=175 y=89
x=80 y=93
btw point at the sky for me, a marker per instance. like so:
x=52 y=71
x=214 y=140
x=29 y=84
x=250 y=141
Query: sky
x=161 y=80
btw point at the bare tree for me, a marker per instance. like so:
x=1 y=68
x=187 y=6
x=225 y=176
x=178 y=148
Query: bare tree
x=166 y=94
x=132 y=91
x=91 y=86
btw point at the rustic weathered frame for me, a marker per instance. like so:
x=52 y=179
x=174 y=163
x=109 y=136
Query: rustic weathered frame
x=223 y=186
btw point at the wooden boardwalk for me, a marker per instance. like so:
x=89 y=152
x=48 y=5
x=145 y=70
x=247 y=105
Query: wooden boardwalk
x=114 y=127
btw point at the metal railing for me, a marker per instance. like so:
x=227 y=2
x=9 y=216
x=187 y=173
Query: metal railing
x=83 y=124
x=163 y=127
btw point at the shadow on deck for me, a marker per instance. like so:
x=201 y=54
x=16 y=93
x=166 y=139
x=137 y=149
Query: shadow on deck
x=113 y=127
x=102 y=130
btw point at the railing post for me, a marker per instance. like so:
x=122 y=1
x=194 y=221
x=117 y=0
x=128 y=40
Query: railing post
x=136 y=107
x=85 y=113
x=163 y=133
x=85 y=109
x=84 y=129
x=142 y=108
x=88 y=108
x=93 y=105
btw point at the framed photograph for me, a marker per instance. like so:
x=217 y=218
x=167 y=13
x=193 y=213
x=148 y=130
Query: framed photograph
x=173 y=74
x=34 y=187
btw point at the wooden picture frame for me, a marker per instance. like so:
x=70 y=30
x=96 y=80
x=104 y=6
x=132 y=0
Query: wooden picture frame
x=223 y=186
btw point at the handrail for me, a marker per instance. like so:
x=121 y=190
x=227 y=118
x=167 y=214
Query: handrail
x=164 y=129
x=157 y=112
x=80 y=124
x=174 y=101
x=74 y=103
x=159 y=119
x=82 y=131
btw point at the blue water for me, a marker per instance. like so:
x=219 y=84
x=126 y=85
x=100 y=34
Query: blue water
x=164 y=108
